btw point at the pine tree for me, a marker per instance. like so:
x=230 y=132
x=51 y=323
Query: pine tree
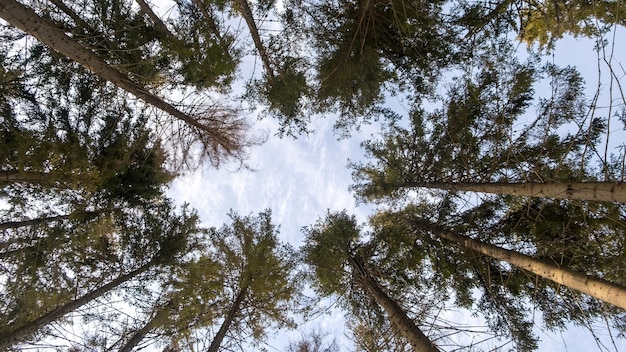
x=474 y=144
x=61 y=278
x=544 y=22
x=341 y=267
x=260 y=276
x=219 y=133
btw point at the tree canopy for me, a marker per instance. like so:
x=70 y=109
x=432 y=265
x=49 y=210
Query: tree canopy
x=494 y=181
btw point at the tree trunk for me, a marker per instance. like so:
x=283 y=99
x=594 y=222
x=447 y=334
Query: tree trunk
x=246 y=13
x=33 y=222
x=79 y=21
x=141 y=333
x=594 y=191
x=221 y=333
x=27 y=20
x=405 y=325
x=156 y=20
x=601 y=289
x=18 y=334
x=12 y=176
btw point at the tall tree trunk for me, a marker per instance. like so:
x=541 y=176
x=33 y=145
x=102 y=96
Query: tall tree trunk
x=12 y=176
x=246 y=13
x=141 y=333
x=38 y=221
x=21 y=333
x=27 y=20
x=601 y=289
x=405 y=325
x=232 y=312
x=156 y=20
x=595 y=191
x=79 y=21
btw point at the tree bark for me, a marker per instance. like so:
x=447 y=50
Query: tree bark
x=20 y=333
x=601 y=289
x=405 y=325
x=230 y=317
x=27 y=20
x=246 y=13
x=594 y=191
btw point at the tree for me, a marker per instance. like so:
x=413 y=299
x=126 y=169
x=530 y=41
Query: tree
x=259 y=273
x=312 y=342
x=186 y=302
x=544 y=22
x=607 y=291
x=140 y=241
x=20 y=333
x=411 y=37
x=220 y=134
x=594 y=191
x=473 y=144
x=339 y=264
x=553 y=233
x=371 y=332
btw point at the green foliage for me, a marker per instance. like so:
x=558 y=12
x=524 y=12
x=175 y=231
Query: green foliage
x=59 y=261
x=207 y=56
x=254 y=261
x=476 y=136
x=544 y=22
x=587 y=237
x=285 y=94
x=364 y=51
x=547 y=21
x=329 y=245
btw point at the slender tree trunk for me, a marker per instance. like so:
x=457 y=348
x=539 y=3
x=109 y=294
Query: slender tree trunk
x=79 y=21
x=12 y=176
x=595 y=191
x=141 y=333
x=20 y=333
x=401 y=322
x=39 y=221
x=246 y=13
x=601 y=289
x=27 y=20
x=156 y=20
x=234 y=309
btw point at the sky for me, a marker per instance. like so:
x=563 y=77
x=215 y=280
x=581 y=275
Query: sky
x=300 y=179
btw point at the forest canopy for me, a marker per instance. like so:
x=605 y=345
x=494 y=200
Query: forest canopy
x=491 y=180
